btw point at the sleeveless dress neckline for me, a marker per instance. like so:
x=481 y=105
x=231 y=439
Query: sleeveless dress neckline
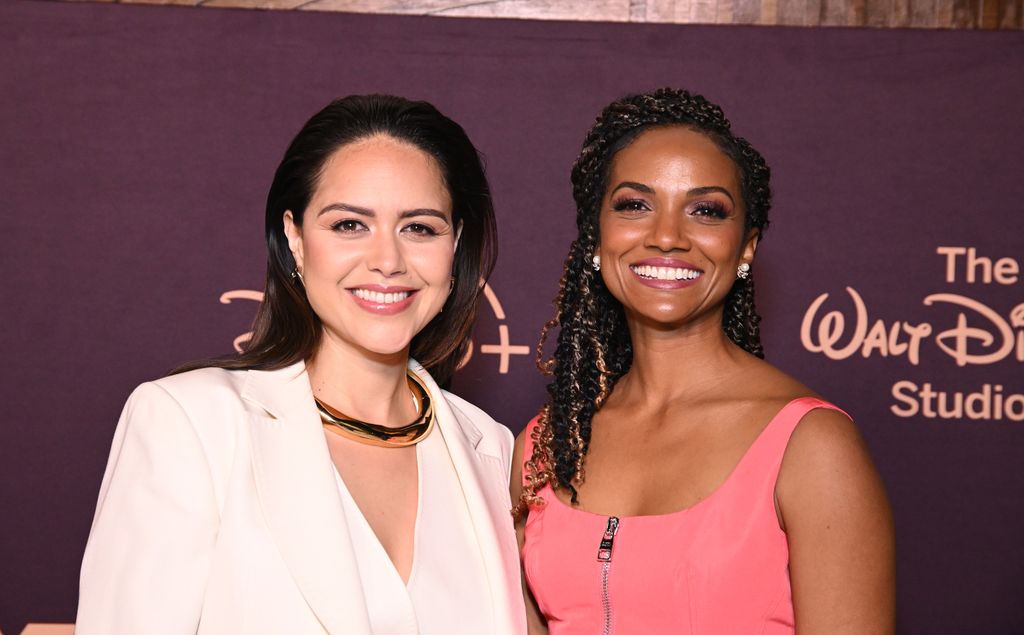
x=751 y=450
x=720 y=565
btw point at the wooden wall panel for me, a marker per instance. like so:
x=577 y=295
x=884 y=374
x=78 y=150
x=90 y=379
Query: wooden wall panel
x=921 y=14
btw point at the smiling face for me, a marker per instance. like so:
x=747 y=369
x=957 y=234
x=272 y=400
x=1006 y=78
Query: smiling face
x=672 y=228
x=376 y=245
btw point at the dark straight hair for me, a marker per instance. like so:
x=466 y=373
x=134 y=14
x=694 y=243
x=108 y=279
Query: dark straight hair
x=286 y=330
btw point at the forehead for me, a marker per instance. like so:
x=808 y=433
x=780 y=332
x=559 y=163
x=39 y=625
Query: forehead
x=674 y=154
x=383 y=167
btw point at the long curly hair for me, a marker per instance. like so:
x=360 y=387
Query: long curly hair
x=594 y=348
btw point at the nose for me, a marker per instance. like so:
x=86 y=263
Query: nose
x=668 y=232
x=385 y=255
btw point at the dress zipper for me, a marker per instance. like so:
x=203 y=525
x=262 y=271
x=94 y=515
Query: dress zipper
x=604 y=556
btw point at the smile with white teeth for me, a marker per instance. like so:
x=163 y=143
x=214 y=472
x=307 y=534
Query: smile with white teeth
x=665 y=273
x=377 y=297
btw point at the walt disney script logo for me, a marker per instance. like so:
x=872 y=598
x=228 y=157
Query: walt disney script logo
x=979 y=336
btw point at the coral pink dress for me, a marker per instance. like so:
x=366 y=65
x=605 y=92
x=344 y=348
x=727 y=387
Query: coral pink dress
x=719 y=567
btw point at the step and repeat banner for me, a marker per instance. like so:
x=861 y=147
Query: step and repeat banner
x=137 y=144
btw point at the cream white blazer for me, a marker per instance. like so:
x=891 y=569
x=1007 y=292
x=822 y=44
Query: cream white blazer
x=219 y=512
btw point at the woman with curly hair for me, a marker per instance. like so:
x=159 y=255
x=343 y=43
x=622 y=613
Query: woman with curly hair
x=675 y=481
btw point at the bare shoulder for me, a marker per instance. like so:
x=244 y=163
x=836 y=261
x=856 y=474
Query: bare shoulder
x=767 y=382
x=832 y=505
x=826 y=456
x=516 y=479
x=520 y=445
x=763 y=390
x=827 y=474
x=826 y=441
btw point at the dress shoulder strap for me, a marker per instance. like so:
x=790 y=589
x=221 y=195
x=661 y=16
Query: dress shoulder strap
x=771 y=445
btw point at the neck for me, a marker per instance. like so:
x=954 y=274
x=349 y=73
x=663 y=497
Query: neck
x=683 y=363
x=365 y=386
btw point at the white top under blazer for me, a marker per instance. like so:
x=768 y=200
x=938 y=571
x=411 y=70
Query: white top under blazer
x=220 y=512
x=435 y=592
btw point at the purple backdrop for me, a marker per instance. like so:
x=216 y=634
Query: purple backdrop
x=138 y=143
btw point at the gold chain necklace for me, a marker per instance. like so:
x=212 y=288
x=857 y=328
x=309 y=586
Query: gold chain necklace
x=383 y=436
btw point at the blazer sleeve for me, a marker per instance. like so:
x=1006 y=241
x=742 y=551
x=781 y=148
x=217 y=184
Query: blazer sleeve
x=149 y=551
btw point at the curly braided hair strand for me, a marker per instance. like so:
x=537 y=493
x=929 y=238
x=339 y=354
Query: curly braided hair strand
x=593 y=348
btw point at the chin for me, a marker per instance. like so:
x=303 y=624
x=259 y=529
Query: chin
x=386 y=346
x=371 y=339
x=664 y=319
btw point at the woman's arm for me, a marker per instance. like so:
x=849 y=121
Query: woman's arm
x=834 y=510
x=148 y=557
x=534 y=620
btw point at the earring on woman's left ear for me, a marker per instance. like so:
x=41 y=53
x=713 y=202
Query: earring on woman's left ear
x=743 y=271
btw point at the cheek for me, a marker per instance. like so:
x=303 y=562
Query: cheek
x=327 y=259
x=719 y=242
x=433 y=262
x=617 y=237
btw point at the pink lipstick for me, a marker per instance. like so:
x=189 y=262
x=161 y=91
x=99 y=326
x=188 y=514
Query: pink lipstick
x=381 y=299
x=666 y=273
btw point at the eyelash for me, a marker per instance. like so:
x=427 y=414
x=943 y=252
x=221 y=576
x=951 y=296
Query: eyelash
x=713 y=209
x=421 y=229
x=710 y=208
x=351 y=226
x=630 y=205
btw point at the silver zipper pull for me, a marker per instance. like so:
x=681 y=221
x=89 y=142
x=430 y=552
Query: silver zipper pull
x=604 y=552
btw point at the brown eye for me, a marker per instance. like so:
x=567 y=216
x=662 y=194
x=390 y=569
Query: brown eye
x=348 y=226
x=710 y=209
x=421 y=229
x=630 y=205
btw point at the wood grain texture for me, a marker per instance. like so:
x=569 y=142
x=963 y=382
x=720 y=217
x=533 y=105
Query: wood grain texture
x=922 y=14
x=610 y=10
x=746 y=11
x=878 y=12
x=247 y=4
x=835 y=12
x=899 y=16
x=791 y=12
x=1010 y=14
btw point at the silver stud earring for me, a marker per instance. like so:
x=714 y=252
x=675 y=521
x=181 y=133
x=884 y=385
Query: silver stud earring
x=743 y=271
x=595 y=262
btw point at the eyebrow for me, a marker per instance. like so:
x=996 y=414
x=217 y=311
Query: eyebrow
x=709 y=189
x=364 y=211
x=639 y=187
x=697 y=191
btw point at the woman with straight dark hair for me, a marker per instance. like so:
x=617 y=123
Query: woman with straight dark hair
x=322 y=481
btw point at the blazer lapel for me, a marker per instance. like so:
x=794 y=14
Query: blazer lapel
x=485 y=487
x=298 y=492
